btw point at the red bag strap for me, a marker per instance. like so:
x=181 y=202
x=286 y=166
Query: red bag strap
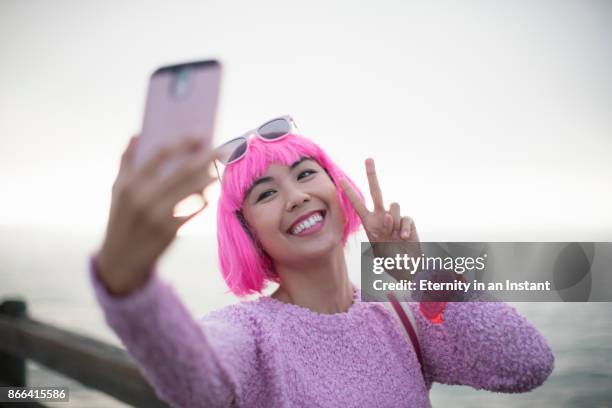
x=409 y=329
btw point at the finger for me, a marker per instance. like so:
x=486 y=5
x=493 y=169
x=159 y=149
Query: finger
x=354 y=199
x=180 y=221
x=191 y=178
x=153 y=165
x=388 y=224
x=394 y=210
x=414 y=233
x=375 y=191
x=191 y=172
x=128 y=154
x=185 y=190
x=185 y=183
x=406 y=227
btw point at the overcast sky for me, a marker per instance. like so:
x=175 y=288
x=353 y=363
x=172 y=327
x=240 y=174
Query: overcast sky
x=487 y=120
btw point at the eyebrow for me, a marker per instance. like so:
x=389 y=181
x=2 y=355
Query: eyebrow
x=268 y=178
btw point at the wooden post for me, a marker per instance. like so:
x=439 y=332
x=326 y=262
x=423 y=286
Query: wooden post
x=13 y=368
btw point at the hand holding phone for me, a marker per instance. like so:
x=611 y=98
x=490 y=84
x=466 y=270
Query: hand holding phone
x=167 y=163
x=181 y=103
x=141 y=225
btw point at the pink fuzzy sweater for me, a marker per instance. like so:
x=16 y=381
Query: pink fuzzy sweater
x=266 y=353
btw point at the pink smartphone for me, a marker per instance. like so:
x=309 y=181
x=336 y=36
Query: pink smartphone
x=181 y=102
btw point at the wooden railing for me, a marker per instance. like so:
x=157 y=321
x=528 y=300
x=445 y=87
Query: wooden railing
x=91 y=362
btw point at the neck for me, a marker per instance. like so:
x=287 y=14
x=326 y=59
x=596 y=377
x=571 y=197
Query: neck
x=320 y=285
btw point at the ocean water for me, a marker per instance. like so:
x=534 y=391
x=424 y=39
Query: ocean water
x=48 y=270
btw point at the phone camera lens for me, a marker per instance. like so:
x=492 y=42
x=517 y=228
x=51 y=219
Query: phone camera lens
x=181 y=83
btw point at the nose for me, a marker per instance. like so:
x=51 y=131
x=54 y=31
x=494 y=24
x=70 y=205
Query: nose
x=296 y=198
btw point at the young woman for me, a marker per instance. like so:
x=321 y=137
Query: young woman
x=285 y=213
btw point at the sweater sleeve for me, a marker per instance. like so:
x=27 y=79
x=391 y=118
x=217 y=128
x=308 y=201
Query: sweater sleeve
x=188 y=362
x=486 y=345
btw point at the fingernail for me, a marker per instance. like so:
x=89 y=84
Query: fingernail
x=405 y=234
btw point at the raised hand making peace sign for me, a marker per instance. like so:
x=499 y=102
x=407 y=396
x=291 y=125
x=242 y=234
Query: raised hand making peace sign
x=380 y=225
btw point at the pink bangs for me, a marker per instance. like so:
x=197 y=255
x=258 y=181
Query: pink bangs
x=245 y=267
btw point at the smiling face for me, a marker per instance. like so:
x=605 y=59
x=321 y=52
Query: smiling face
x=245 y=269
x=294 y=212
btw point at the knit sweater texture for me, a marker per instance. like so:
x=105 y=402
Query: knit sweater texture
x=267 y=353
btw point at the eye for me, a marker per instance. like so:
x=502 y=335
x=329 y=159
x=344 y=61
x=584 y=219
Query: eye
x=307 y=172
x=264 y=195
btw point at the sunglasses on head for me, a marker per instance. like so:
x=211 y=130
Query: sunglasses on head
x=271 y=131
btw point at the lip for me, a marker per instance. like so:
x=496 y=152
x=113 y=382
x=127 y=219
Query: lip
x=305 y=217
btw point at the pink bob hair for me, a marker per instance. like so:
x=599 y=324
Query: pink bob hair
x=245 y=266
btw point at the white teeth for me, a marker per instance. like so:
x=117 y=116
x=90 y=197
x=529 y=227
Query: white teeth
x=312 y=220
